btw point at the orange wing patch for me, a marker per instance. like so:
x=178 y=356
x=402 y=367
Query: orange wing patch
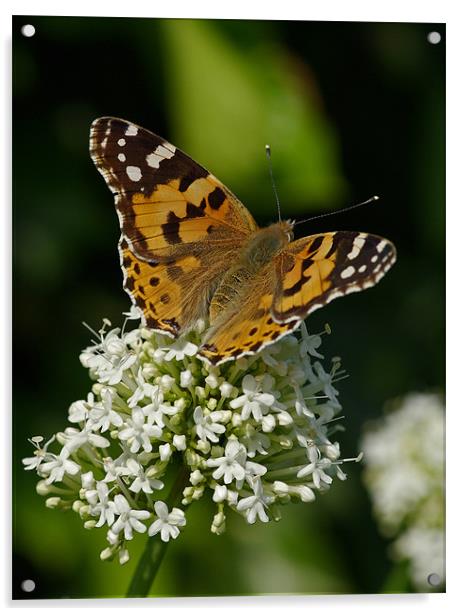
x=203 y=212
x=156 y=288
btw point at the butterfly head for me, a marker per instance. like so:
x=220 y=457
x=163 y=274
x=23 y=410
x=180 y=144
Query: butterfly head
x=288 y=228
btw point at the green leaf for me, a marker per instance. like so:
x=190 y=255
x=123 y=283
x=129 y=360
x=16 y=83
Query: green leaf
x=227 y=100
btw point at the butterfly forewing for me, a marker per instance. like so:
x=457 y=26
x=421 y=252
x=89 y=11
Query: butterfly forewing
x=180 y=227
x=163 y=197
x=315 y=270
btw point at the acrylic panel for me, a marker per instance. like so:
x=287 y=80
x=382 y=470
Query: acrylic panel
x=193 y=413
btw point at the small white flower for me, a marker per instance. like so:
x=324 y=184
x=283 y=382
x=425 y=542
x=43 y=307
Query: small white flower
x=268 y=423
x=157 y=409
x=110 y=368
x=206 y=426
x=141 y=481
x=232 y=464
x=115 y=468
x=316 y=466
x=253 y=401
x=212 y=380
x=40 y=454
x=128 y=519
x=253 y=469
x=142 y=390
x=325 y=379
x=196 y=477
x=59 y=466
x=168 y=523
x=309 y=344
x=134 y=313
x=79 y=411
x=140 y=431
x=75 y=439
x=102 y=415
x=100 y=503
x=123 y=556
x=180 y=349
x=255 y=505
x=255 y=441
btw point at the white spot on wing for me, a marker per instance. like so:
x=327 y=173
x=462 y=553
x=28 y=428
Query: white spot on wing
x=162 y=152
x=134 y=173
x=381 y=245
x=374 y=258
x=169 y=146
x=362 y=268
x=348 y=272
x=153 y=160
x=357 y=246
x=131 y=131
x=121 y=142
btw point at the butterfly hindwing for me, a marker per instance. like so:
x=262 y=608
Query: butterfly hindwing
x=249 y=329
x=314 y=270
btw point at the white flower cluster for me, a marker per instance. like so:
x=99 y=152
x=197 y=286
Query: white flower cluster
x=404 y=456
x=252 y=434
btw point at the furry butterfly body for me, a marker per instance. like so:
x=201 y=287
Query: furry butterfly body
x=190 y=250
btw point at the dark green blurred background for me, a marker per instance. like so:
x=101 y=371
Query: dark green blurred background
x=350 y=110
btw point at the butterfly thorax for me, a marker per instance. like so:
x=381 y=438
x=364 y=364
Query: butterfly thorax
x=265 y=243
x=254 y=255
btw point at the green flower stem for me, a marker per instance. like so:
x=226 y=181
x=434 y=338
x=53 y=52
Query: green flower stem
x=155 y=548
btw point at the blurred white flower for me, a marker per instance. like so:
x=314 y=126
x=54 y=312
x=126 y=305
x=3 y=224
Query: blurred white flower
x=404 y=473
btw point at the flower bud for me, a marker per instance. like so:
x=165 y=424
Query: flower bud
x=219 y=523
x=179 y=442
x=54 y=502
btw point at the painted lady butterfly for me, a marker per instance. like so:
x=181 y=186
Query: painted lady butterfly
x=189 y=249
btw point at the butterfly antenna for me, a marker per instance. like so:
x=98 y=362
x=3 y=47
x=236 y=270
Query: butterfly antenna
x=268 y=153
x=346 y=209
